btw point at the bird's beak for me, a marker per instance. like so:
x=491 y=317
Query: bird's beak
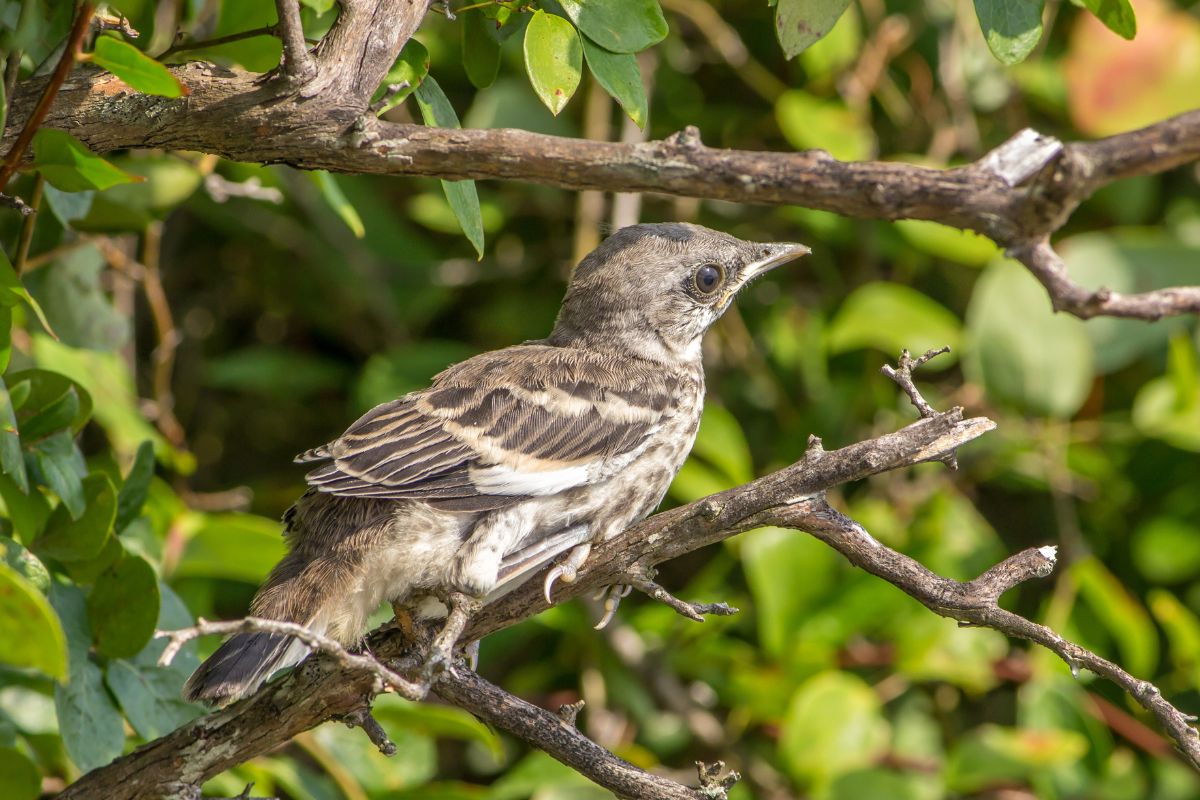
x=774 y=255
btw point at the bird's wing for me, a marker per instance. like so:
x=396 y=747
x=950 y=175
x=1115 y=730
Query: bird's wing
x=525 y=421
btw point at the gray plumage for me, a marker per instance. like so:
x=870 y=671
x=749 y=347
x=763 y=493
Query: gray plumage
x=509 y=459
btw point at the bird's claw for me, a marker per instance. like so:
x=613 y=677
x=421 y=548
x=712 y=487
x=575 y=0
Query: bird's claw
x=565 y=570
x=613 y=595
x=561 y=571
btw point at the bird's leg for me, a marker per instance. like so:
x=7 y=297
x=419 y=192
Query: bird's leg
x=566 y=569
x=441 y=652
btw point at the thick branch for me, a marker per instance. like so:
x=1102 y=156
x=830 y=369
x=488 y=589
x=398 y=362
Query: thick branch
x=296 y=64
x=1018 y=195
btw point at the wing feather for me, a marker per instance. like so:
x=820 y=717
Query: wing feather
x=523 y=421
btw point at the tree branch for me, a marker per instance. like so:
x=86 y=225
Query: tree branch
x=1018 y=195
x=551 y=733
x=296 y=64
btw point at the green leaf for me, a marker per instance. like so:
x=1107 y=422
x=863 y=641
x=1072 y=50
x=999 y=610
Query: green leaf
x=1020 y=350
x=1121 y=614
x=770 y=558
x=123 y=607
x=1129 y=261
x=136 y=487
x=436 y=110
x=990 y=754
x=1168 y=408
x=720 y=441
x=337 y=200
x=1117 y=16
x=27 y=510
x=30 y=635
x=19 y=777
x=411 y=67
x=480 y=48
x=553 y=59
x=620 y=26
x=240 y=547
x=891 y=317
x=834 y=724
x=953 y=244
x=620 y=76
x=5 y=336
x=800 y=24
x=13 y=291
x=68 y=207
x=27 y=565
x=92 y=729
x=136 y=68
x=168 y=182
x=56 y=462
x=70 y=291
x=83 y=537
x=1011 y=28
x=150 y=697
x=1181 y=626
x=1167 y=550
x=55 y=417
x=12 y=459
x=68 y=165
x=811 y=123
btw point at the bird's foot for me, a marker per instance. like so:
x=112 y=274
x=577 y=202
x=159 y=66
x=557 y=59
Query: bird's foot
x=441 y=651
x=566 y=569
x=612 y=596
x=643 y=581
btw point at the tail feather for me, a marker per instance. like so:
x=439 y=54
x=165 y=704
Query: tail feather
x=241 y=665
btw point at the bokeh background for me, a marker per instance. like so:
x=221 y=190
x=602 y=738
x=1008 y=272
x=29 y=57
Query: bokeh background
x=235 y=315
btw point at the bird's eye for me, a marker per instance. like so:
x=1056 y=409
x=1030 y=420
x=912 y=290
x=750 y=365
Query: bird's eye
x=708 y=278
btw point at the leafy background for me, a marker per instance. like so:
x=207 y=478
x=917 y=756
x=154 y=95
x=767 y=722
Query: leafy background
x=214 y=318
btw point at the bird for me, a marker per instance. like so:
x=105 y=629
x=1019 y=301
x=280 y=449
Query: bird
x=510 y=461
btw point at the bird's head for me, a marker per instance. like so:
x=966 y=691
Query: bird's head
x=653 y=290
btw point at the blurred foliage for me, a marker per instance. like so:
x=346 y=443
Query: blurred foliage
x=179 y=326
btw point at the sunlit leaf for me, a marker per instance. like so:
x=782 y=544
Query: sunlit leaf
x=411 y=67
x=834 y=724
x=1123 y=617
x=620 y=76
x=1117 y=16
x=13 y=291
x=892 y=317
x=30 y=635
x=68 y=165
x=436 y=110
x=235 y=546
x=19 y=777
x=810 y=123
x=801 y=23
x=553 y=59
x=136 y=68
x=621 y=26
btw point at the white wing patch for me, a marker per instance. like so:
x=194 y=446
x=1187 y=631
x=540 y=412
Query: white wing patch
x=502 y=480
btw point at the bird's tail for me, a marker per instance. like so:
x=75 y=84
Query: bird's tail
x=239 y=666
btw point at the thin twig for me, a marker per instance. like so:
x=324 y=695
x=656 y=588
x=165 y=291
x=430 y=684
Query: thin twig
x=79 y=29
x=25 y=238
x=387 y=678
x=168 y=336
x=180 y=46
x=551 y=733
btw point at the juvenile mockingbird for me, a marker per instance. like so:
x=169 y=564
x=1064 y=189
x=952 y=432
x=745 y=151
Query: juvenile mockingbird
x=509 y=459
